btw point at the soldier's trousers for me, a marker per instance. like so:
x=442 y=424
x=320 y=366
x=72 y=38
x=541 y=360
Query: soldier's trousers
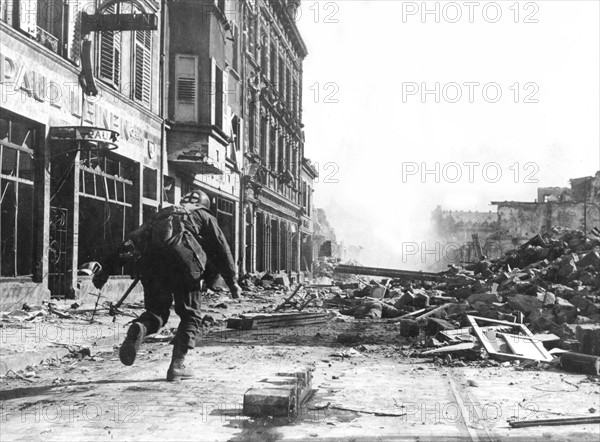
x=159 y=293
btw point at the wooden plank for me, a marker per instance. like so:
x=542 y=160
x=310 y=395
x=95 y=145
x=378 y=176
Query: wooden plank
x=431 y=312
x=523 y=346
x=450 y=349
x=388 y=273
x=287 y=300
x=553 y=422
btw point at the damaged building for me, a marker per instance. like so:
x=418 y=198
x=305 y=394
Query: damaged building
x=575 y=207
x=97 y=133
x=78 y=171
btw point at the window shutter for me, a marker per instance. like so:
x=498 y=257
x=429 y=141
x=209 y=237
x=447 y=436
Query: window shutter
x=143 y=66
x=28 y=16
x=74 y=31
x=186 y=87
x=212 y=92
x=226 y=108
x=110 y=54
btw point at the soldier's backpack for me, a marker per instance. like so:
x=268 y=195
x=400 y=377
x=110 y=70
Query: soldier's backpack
x=173 y=233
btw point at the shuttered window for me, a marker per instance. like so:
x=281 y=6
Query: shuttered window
x=143 y=67
x=218 y=98
x=110 y=54
x=186 y=88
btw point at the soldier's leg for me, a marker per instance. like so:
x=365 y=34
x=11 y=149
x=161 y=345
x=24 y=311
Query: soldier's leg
x=157 y=300
x=187 y=306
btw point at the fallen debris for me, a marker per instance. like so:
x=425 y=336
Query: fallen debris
x=274 y=320
x=580 y=363
x=280 y=395
x=558 y=421
x=503 y=346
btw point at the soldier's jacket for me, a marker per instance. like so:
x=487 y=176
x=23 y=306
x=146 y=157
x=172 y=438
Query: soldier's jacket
x=205 y=228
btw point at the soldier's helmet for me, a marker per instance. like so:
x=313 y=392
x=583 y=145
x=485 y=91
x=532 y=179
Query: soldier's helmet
x=196 y=197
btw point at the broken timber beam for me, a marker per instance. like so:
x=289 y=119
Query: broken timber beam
x=388 y=273
x=287 y=300
x=559 y=421
x=261 y=321
x=580 y=363
x=431 y=312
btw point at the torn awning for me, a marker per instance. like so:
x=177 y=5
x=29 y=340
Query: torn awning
x=196 y=166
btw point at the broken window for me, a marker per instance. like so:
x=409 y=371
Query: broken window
x=17 y=142
x=106 y=200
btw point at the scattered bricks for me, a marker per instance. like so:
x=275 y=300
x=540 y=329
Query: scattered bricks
x=387 y=311
x=276 y=402
x=486 y=298
x=377 y=292
x=564 y=310
x=586 y=277
x=591 y=259
x=563 y=291
x=421 y=300
x=435 y=325
x=569 y=345
x=567 y=267
x=547 y=298
x=405 y=299
x=588 y=336
x=456 y=309
x=282 y=279
x=581 y=302
x=463 y=292
x=541 y=320
x=592 y=310
x=565 y=331
x=409 y=328
x=524 y=303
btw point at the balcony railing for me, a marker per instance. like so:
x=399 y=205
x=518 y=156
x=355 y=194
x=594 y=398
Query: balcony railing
x=48 y=40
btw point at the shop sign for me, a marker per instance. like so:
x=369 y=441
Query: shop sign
x=84 y=133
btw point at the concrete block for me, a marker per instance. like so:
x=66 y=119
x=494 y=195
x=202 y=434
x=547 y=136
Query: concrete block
x=524 y=303
x=487 y=298
x=282 y=279
x=588 y=336
x=591 y=259
x=409 y=328
x=275 y=402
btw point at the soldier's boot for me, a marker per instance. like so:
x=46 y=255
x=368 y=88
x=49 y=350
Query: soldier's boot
x=177 y=370
x=131 y=345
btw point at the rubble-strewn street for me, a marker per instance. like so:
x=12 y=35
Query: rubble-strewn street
x=297 y=220
x=404 y=375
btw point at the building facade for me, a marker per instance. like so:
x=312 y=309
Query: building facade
x=204 y=120
x=273 y=52
x=100 y=130
x=78 y=171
